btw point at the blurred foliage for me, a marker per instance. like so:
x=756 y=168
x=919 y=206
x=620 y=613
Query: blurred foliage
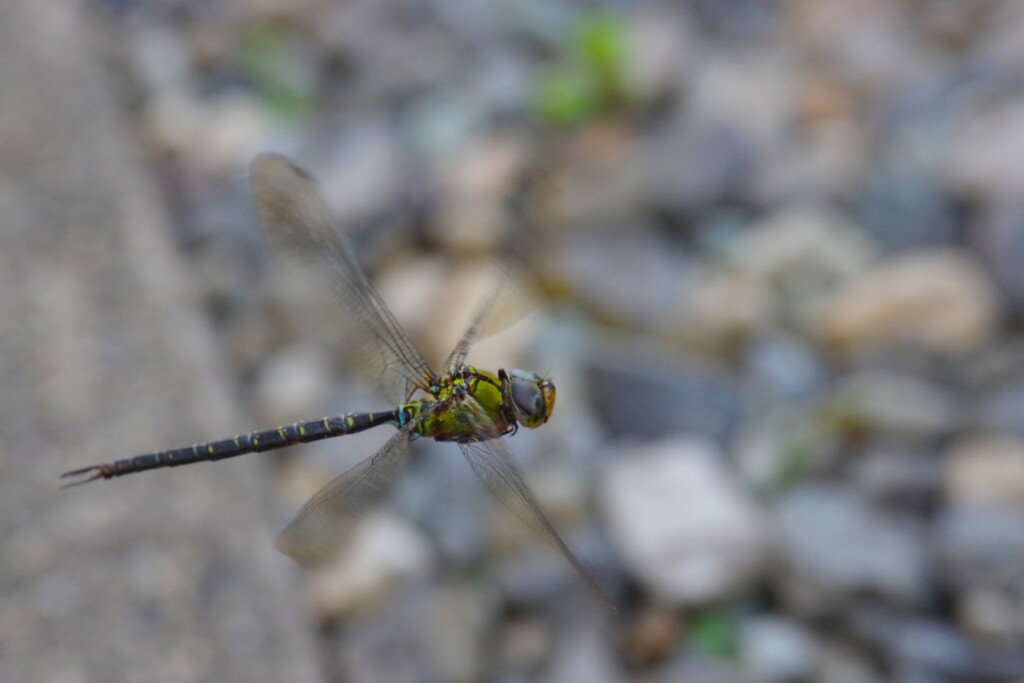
x=264 y=57
x=797 y=459
x=713 y=632
x=590 y=80
x=800 y=452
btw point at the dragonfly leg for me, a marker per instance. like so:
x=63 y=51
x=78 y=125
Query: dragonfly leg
x=95 y=472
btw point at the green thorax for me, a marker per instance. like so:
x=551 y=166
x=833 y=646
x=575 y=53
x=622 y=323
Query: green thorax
x=458 y=422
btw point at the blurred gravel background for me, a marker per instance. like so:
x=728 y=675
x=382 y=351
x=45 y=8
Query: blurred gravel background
x=782 y=300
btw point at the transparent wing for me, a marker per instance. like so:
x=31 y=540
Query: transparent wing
x=302 y=236
x=510 y=300
x=491 y=461
x=326 y=522
x=521 y=255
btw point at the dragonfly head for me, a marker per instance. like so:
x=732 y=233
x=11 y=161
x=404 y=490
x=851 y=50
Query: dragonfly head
x=533 y=397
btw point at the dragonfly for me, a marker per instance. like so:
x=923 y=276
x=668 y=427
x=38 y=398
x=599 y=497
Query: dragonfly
x=463 y=404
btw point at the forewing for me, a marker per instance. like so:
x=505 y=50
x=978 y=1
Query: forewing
x=302 y=236
x=326 y=522
x=520 y=258
x=491 y=461
x=510 y=300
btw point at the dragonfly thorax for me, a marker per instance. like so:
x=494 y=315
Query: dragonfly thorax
x=483 y=405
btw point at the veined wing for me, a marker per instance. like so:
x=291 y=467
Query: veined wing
x=491 y=461
x=510 y=300
x=521 y=253
x=458 y=355
x=301 y=235
x=326 y=522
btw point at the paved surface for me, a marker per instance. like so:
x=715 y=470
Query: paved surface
x=164 y=577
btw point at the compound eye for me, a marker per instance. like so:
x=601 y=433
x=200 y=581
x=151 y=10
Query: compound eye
x=532 y=398
x=528 y=400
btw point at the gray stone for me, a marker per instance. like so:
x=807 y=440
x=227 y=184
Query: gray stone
x=294 y=384
x=162 y=576
x=784 y=368
x=725 y=159
x=479 y=179
x=801 y=254
x=448 y=502
x=644 y=391
x=739 y=21
x=991 y=613
x=695 y=667
x=747 y=92
x=524 y=644
x=501 y=81
x=919 y=648
x=905 y=211
x=533 y=575
x=659 y=53
x=981 y=158
x=373 y=38
x=841 y=663
x=440 y=122
x=903 y=476
x=1002 y=406
x=583 y=656
x=835 y=547
x=782 y=447
x=896 y=405
x=1001 y=241
x=650 y=276
x=719 y=309
x=423 y=634
x=915 y=645
x=982 y=545
x=361 y=174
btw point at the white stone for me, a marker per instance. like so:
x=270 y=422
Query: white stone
x=385 y=551
x=987 y=468
x=799 y=257
x=776 y=649
x=802 y=237
x=294 y=383
x=683 y=526
x=984 y=152
x=940 y=300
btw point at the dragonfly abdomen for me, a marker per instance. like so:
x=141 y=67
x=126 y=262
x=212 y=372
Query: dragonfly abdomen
x=253 y=442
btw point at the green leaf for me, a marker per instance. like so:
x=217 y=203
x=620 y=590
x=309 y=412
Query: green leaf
x=713 y=633
x=264 y=58
x=565 y=98
x=590 y=79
